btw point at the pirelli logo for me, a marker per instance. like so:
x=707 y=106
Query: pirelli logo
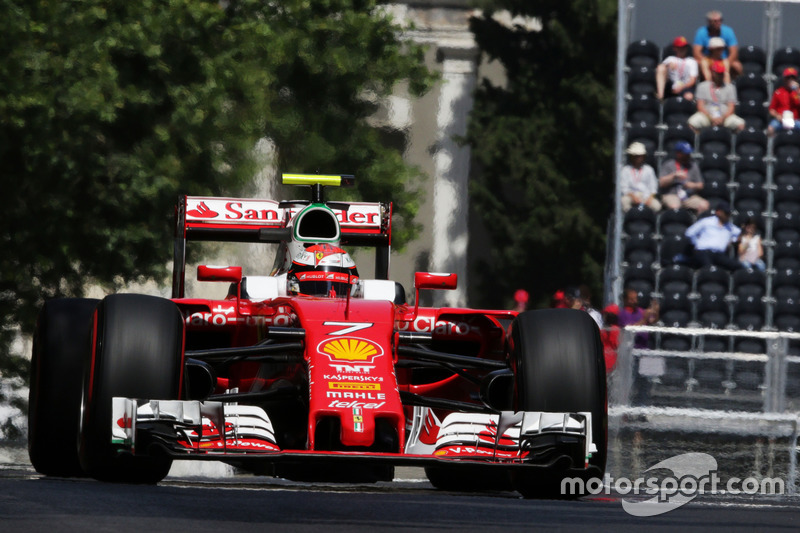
x=338 y=385
x=350 y=349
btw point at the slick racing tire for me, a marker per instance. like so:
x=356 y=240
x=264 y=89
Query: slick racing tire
x=138 y=353
x=559 y=367
x=61 y=342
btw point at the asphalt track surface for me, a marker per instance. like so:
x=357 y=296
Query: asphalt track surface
x=30 y=503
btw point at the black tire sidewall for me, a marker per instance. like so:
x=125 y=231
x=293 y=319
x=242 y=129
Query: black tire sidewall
x=138 y=353
x=557 y=355
x=61 y=342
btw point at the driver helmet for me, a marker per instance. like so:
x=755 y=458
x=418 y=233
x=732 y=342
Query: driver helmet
x=322 y=270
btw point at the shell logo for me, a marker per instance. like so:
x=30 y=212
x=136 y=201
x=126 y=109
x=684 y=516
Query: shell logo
x=350 y=349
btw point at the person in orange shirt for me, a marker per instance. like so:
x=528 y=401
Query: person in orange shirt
x=784 y=108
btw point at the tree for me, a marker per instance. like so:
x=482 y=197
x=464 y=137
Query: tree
x=109 y=110
x=542 y=147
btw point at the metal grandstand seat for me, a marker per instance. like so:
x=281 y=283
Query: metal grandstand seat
x=786 y=200
x=787 y=255
x=674 y=221
x=750 y=196
x=750 y=169
x=642 y=54
x=748 y=375
x=787 y=314
x=644 y=109
x=639 y=219
x=751 y=86
x=715 y=140
x=641 y=248
x=784 y=58
x=642 y=80
x=749 y=310
x=715 y=160
x=787 y=144
x=676 y=278
x=749 y=281
x=753 y=112
x=712 y=281
x=676 y=309
x=715 y=185
x=671 y=247
x=675 y=133
x=641 y=278
x=751 y=142
x=678 y=110
x=786 y=282
x=648 y=135
x=749 y=345
x=786 y=225
x=753 y=59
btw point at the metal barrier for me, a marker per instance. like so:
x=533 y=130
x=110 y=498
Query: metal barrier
x=766 y=382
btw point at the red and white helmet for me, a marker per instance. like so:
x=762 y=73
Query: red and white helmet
x=322 y=270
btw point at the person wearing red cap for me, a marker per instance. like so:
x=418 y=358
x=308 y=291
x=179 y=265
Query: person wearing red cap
x=784 y=108
x=716 y=103
x=703 y=38
x=609 y=335
x=677 y=74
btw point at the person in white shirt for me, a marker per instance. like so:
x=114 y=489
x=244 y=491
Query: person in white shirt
x=750 y=249
x=711 y=237
x=677 y=74
x=638 y=182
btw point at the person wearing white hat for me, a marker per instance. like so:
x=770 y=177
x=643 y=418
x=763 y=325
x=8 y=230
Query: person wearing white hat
x=638 y=182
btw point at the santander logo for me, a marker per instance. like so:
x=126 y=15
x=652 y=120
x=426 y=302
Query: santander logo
x=202 y=211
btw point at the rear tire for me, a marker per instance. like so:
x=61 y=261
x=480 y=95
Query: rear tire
x=61 y=342
x=559 y=367
x=138 y=353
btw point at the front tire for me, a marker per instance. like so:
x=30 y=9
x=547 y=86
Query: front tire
x=559 y=367
x=138 y=353
x=61 y=343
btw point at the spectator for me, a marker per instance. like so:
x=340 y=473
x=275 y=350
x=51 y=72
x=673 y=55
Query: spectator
x=677 y=74
x=638 y=182
x=711 y=237
x=784 y=108
x=716 y=50
x=559 y=300
x=716 y=103
x=586 y=299
x=609 y=335
x=521 y=298
x=715 y=28
x=680 y=181
x=750 y=249
x=630 y=314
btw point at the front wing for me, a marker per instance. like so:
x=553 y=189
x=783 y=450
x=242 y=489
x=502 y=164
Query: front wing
x=215 y=431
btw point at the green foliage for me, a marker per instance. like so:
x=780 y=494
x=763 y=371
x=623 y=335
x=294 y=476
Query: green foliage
x=543 y=147
x=109 y=110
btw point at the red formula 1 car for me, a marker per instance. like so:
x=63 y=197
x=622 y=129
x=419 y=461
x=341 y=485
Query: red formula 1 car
x=314 y=372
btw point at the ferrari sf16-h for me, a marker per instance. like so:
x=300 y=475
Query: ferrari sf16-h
x=312 y=371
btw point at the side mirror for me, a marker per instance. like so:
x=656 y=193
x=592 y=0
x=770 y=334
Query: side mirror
x=435 y=280
x=232 y=274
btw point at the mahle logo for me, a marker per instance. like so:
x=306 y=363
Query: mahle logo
x=350 y=349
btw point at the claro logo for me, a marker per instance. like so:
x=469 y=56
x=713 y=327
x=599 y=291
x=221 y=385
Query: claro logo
x=350 y=349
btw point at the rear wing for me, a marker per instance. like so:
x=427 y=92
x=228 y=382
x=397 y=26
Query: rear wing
x=204 y=218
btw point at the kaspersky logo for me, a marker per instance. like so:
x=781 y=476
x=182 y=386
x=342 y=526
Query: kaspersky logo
x=350 y=349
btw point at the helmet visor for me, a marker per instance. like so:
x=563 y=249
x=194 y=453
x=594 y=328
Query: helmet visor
x=330 y=284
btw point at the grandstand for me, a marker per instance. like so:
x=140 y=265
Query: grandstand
x=726 y=340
